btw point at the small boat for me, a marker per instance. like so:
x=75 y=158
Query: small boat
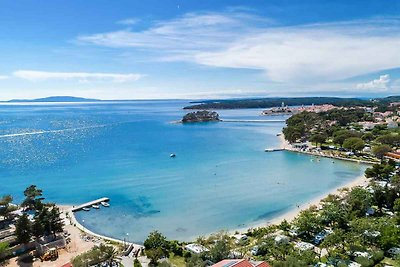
x=105 y=204
x=86 y=209
x=172 y=155
x=95 y=206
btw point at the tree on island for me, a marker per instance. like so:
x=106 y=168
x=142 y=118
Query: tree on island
x=156 y=246
x=136 y=263
x=318 y=139
x=381 y=150
x=96 y=255
x=5 y=207
x=392 y=139
x=110 y=254
x=23 y=229
x=354 y=144
x=308 y=222
x=195 y=261
x=4 y=246
x=33 y=199
x=47 y=218
x=334 y=212
x=358 y=201
x=222 y=247
x=340 y=136
x=368 y=137
x=293 y=134
x=380 y=172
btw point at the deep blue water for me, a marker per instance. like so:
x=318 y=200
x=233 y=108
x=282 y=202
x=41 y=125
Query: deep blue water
x=220 y=179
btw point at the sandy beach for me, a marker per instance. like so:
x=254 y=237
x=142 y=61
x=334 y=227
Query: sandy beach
x=290 y=215
x=359 y=181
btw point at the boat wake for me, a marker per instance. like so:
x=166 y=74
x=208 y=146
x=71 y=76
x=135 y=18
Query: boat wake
x=52 y=131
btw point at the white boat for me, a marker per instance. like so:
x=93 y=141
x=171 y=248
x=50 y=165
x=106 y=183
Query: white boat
x=86 y=209
x=105 y=204
x=95 y=206
x=172 y=155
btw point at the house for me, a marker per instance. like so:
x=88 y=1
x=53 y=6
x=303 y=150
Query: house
x=303 y=246
x=321 y=236
x=395 y=155
x=241 y=263
x=372 y=234
x=392 y=124
x=394 y=251
x=239 y=238
x=195 y=248
x=281 y=239
x=363 y=254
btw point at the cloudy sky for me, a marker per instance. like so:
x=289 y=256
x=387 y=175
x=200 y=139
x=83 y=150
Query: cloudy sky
x=198 y=49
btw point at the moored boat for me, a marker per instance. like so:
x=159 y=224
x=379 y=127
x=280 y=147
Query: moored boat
x=105 y=204
x=95 y=206
x=86 y=209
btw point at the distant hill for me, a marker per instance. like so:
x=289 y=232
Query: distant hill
x=277 y=101
x=57 y=99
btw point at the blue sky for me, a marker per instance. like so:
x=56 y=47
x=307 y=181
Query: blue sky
x=198 y=49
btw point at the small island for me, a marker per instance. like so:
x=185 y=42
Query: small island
x=200 y=116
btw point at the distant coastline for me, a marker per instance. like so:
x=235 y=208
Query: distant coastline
x=54 y=99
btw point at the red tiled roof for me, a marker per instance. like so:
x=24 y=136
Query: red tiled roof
x=262 y=264
x=394 y=154
x=233 y=263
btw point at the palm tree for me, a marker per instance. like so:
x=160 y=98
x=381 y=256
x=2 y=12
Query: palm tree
x=110 y=254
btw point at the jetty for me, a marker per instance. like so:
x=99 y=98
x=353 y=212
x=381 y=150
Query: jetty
x=273 y=149
x=89 y=204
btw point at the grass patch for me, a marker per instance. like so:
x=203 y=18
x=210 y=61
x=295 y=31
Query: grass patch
x=177 y=260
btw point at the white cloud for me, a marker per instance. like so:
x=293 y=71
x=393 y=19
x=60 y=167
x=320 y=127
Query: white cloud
x=33 y=75
x=381 y=84
x=192 y=32
x=3 y=77
x=128 y=22
x=297 y=54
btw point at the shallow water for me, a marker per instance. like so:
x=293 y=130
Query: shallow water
x=220 y=179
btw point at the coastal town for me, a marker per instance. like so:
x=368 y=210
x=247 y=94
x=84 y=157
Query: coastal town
x=353 y=226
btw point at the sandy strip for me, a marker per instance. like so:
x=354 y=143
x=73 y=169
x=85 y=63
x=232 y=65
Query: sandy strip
x=293 y=213
x=79 y=226
x=289 y=216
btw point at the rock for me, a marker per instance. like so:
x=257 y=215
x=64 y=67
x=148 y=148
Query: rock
x=201 y=116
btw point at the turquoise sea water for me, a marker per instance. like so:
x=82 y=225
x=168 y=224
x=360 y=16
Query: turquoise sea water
x=220 y=179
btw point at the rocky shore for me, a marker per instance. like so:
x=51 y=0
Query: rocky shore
x=200 y=116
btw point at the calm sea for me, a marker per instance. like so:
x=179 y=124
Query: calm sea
x=221 y=177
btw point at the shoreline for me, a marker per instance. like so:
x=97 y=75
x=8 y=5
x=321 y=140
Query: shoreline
x=70 y=214
x=292 y=213
x=285 y=145
x=288 y=215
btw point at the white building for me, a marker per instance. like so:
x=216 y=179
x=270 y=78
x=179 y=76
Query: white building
x=195 y=248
